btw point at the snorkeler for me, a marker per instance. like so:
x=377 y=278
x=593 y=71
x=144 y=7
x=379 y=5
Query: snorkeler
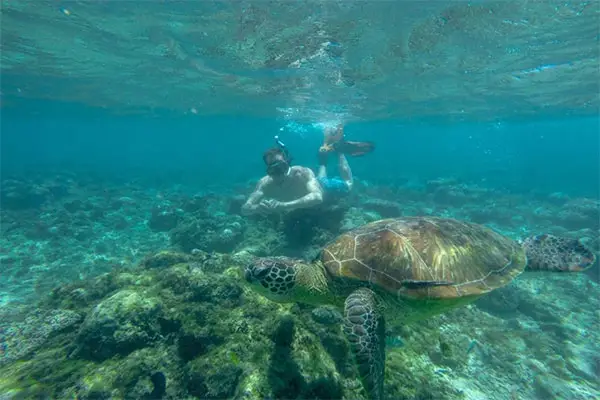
x=334 y=141
x=285 y=187
x=288 y=187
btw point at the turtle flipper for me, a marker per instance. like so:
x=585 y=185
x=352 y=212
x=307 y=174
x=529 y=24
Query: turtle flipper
x=554 y=253
x=364 y=327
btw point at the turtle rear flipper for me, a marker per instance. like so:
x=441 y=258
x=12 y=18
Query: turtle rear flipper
x=364 y=327
x=553 y=253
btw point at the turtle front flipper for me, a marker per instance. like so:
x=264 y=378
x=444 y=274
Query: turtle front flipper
x=553 y=253
x=364 y=327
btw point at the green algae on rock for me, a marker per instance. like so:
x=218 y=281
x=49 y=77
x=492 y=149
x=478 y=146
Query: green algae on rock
x=126 y=321
x=175 y=324
x=203 y=335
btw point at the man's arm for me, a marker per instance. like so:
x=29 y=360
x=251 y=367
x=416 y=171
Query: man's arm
x=312 y=198
x=251 y=205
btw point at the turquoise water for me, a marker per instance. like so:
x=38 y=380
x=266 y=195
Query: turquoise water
x=527 y=156
x=133 y=132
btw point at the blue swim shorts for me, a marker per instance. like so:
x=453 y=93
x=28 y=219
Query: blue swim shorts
x=334 y=186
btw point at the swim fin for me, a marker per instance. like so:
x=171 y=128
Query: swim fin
x=334 y=141
x=354 y=148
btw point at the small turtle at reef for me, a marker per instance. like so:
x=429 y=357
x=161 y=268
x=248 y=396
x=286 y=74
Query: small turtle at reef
x=397 y=271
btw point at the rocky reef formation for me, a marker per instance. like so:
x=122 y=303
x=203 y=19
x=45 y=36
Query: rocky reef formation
x=184 y=326
x=128 y=321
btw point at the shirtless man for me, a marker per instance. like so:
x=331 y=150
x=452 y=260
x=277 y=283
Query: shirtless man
x=285 y=187
x=288 y=188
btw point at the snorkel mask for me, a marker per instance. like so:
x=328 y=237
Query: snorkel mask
x=279 y=166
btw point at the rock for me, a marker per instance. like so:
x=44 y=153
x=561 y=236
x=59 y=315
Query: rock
x=218 y=232
x=558 y=198
x=550 y=387
x=385 y=208
x=191 y=344
x=165 y=259
x=74 y=205
x=339 y=350
x=29 y=335
x=572 y=220
x=124 y=322
x=163 y=220
x=209 y=381
x=195 y=204
x=305 y=227
x=453 y=196
x=326 y=315
x=356 y=217
x=283 y=334
x=20 y=195
x=435 y=184
x=235 y=204
x=503 y=302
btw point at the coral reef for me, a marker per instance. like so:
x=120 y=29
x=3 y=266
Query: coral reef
x=179 y=325
x=182 y=331
x=21 y=194
x=219 y=232
x=119 y=291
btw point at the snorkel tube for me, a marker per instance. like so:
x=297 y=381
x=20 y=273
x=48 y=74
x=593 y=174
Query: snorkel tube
x=283 y=148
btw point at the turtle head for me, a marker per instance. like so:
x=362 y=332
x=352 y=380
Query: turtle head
x=285 y=280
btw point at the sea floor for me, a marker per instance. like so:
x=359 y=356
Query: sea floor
x=537 y=338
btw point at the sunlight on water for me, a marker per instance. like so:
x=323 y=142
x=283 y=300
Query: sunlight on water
x=292 y=125
x=324 y=60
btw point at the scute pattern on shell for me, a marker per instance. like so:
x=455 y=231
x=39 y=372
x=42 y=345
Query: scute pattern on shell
x=425 y=257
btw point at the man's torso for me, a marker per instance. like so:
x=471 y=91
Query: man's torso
x=293 y=187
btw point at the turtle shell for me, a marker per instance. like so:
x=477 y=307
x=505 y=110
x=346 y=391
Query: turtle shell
x=425 y=257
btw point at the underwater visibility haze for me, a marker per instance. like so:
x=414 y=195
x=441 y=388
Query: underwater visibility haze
x=300 y=200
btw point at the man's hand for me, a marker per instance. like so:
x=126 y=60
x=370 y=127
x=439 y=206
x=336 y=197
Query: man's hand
x=271 y=206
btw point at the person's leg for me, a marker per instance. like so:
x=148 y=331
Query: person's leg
x=345 y=171
x=323 y=156
x=331 y=137
x=322 y=172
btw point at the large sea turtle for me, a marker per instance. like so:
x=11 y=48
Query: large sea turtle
x=395 y=271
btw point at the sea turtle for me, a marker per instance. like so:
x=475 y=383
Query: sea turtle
x=395 y=271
